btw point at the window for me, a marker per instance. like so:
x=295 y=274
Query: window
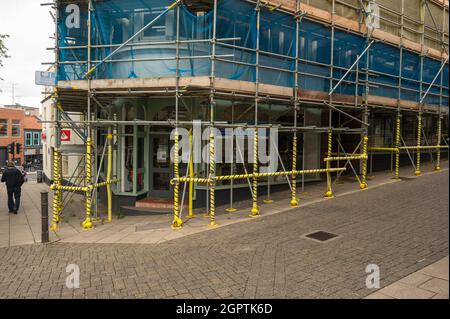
x=36 y=139
x=3 y=127
x=28 y=139
x=15 y=128
x=158 y=29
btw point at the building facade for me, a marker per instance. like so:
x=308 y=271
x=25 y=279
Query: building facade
x=11 y=131
x=32 y=145
x=334 y=77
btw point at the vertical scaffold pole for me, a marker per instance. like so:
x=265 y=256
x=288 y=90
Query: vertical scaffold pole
x=191 y=175
x=177 y=223
x=439 y=136
x=363 y=184
x=419 y=142
x=212 y=168
x=56 y=208
x=87 y=223
x=294 y=200
x=329 y=191
x=255 y=209
x=212 y=162
x=419 y=116
x=397 y=144
x=398 y=124
x=108 y=173
x=57 y=195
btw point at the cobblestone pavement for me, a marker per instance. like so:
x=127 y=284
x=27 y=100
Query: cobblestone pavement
x=402 y=227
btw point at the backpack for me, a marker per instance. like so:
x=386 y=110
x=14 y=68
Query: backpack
x=20 y=179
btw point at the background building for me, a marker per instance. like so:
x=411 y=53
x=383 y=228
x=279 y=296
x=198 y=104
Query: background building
x=16 y=124
x=32 y=146
x=11 y=130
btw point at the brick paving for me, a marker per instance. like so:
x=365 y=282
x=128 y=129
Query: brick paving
x=402 y=227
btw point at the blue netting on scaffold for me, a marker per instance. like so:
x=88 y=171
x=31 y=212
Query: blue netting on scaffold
x=152 y=53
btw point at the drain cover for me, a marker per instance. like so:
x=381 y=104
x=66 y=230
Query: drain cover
x=321 y=236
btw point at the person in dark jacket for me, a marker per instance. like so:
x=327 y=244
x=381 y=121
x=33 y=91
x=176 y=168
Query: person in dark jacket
x=13 y=178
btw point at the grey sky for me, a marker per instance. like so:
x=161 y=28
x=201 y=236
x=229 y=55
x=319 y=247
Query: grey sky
x=29 y=26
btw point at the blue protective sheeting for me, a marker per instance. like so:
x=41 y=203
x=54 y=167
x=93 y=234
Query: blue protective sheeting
x=152 y=53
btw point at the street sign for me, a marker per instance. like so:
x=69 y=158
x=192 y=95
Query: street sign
x=65 y=135
x=45 y=78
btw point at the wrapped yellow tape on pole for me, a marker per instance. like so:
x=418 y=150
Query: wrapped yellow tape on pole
x=439 y=136
x=108 y=176
x=397 y=145
x=363 y=184
x=419 y=142
x=87 y=223
x=329 y=192
x=177 y=222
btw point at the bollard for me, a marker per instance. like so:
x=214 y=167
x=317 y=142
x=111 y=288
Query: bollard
x=44 y=212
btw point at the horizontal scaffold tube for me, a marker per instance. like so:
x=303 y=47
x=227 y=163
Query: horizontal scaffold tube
x=344 y=158
x=251 y=175
x=81 y=188
x=422 y=147
x=69 y=188
x=105 y=183
x=384 y=149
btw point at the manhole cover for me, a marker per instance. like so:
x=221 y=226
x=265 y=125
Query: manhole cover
x=321 y=236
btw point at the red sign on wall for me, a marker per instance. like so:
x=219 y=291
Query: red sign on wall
x=65 y=135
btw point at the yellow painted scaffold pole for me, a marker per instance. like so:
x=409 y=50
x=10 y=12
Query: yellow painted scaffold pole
x=57 y=196
x=363 y=184
x=294 y=200
x=191 y=175
x=87 y=223
x=397 y=145
x=109 y=138
x=439 y=136
x=177 y=223
x=211 y=178
x=329 y=192
x=419 y=142
x=255 y=209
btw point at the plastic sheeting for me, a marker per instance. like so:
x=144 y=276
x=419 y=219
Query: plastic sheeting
x=152 y=53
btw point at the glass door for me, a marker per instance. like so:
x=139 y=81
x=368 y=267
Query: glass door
x=160 y=166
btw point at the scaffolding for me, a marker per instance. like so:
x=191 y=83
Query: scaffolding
x=215 y=63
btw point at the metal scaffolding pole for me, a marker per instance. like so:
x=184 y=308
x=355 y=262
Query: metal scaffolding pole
x=212 y=103
x=177 y=222
x=255 y=208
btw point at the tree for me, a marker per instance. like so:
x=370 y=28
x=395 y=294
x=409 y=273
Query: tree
x=3 y=49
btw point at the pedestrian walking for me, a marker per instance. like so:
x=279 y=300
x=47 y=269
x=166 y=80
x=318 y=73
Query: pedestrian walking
x=14 y=179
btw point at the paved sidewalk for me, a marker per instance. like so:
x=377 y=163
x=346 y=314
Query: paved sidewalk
x=430 y=282
x=402 y=227
x=25 y=227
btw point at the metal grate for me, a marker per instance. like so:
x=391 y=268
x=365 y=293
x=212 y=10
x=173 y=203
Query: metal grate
x=321 y=236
